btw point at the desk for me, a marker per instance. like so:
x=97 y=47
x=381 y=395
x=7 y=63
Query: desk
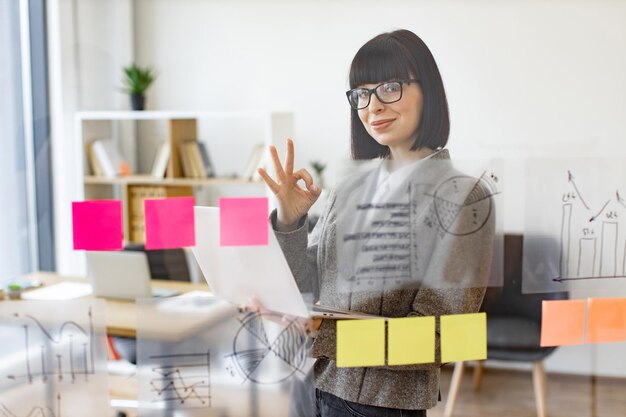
x=121 y=315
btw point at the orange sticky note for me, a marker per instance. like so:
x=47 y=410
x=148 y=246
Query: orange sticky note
x=411 y=340
x=360 y=343
x=562 y=322
x=606 y=320
x=464 y=337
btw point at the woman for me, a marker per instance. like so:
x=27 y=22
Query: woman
x=400 y=114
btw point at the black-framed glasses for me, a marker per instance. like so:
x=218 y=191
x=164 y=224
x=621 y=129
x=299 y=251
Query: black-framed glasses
x=387 y=92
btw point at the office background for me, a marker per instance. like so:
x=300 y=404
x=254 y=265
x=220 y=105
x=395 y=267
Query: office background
x=523 y=78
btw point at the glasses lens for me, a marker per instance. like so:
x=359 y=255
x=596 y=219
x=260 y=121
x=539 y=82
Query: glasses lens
x=389 y=92
x=359 y=98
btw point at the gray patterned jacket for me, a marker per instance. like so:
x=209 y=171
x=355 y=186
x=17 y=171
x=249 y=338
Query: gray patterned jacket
x=313 y=261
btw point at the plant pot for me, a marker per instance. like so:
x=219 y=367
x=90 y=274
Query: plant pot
x=138 y=101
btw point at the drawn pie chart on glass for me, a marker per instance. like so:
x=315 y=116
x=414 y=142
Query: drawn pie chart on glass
x=464 y=197
x=267 y=350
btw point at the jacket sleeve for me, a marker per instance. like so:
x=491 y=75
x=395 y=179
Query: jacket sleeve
x=300 y=250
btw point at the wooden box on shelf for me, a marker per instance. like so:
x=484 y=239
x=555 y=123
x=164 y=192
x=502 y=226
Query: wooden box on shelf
x=136 y=231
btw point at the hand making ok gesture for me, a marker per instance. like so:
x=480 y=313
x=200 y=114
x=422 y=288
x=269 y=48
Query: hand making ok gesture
x=293 y=200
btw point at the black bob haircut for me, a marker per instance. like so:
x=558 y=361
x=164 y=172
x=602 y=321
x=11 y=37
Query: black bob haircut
x=400 y=54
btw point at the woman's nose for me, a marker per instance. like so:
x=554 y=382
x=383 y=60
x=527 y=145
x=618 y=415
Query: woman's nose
x=376 y=106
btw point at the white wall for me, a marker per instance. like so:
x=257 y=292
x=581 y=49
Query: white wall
x=88 y=42
x=523 y=78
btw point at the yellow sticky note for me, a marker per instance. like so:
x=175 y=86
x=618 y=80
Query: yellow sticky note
x=360 y=343
x=411 y=340
x=463 y=337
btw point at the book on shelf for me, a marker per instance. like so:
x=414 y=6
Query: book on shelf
x=96 y=169
x=161 y=159
x=187 y=159
x=105 y=159
x=206 y=161
x=254 y=161
x=194 y=159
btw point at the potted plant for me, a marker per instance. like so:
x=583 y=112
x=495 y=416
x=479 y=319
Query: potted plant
x=319 y=168
x=136 y=81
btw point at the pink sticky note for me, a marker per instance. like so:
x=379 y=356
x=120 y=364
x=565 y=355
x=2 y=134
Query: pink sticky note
x=97 y=225
x=169 y=223
x=244 y=221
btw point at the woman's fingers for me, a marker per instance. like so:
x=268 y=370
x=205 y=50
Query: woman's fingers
x=280 y=174
x=269 y=181
x=289 y=158
x=304 y=175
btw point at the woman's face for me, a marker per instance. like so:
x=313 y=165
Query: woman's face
x=395 y=124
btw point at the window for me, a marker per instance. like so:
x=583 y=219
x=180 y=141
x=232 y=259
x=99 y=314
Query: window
x=25 y=231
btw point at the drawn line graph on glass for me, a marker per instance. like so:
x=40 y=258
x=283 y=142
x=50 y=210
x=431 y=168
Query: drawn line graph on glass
x=65 y=353
x=183 y=380
x=35 y=411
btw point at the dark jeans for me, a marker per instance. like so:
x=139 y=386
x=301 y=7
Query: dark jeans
x=329 y=405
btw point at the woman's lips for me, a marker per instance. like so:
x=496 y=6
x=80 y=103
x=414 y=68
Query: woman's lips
x=381 y=124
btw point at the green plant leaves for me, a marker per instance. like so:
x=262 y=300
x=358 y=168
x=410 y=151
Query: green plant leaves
x=136 y=80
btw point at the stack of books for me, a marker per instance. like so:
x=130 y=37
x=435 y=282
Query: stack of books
x=194 y=159
x=106 y=160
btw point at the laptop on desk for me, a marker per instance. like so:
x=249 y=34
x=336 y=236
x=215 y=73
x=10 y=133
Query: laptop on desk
x=122 y=276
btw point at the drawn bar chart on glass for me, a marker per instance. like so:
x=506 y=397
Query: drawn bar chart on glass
x=389 y=223
x=575 y=233
x=67 y=353
x=52 y=351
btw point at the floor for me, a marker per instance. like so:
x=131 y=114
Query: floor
x=503 y=394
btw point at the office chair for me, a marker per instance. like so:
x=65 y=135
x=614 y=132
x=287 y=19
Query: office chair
x=513 y=327
x=168 y=264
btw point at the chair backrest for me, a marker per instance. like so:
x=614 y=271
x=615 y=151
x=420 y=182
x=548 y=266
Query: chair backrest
x=508 y=300
x=169 y=264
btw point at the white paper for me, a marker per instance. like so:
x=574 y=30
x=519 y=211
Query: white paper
x=60 y=291
x=393 y=226
x=192 y=294
x=221 y=363
x=236 y=273
x=575 y=233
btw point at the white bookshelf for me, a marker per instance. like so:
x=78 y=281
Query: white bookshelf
x=129 y=130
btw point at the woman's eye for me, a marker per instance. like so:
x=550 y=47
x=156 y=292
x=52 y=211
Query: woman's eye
x=362 y=93
x=391 y=87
